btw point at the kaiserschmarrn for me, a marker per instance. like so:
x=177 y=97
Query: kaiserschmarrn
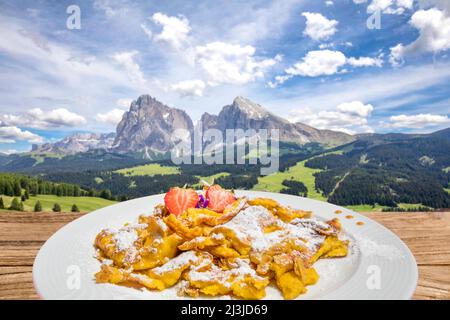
x=237 y=250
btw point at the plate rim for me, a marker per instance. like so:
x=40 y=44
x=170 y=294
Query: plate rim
x=407 y=293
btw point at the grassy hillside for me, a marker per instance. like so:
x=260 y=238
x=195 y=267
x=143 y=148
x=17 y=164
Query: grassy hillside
x=84 y=204
x=211 y=178
x=148 y=170
x=298 y=172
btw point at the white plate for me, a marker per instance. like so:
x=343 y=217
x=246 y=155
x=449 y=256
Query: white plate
x=379 y=265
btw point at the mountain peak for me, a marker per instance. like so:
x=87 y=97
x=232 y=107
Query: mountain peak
x=149 y=125
x=146 y=101
x=249 y=107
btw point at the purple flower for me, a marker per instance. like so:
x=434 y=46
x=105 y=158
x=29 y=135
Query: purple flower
x=202 y=202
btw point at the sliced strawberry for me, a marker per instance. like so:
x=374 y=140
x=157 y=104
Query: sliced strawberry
x=178 y=200
x=219 y=198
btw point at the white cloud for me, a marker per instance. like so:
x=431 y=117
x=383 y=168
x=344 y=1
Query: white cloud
x=390 y=6
x=39 y=119
x=387 y=6
x=58 y=118
x=126 y=59
x=112 y=117
x=10 y=134
x=323 y=46
x=175 y=30
x=434 y=35
x=317 y=63
x=350 y=117
x=279 y=80
x=356 y=108
x=365 y=62
x=189 y=88
x=417 y=121
x=319 y=27
x=124 y=102
x=324 y=63
x=329 y=3
x=219 y=62
x=231 y=63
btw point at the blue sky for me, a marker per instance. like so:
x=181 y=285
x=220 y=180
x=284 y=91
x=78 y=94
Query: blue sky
x=311 y=61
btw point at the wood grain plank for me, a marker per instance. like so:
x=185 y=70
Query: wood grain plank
x=434 y=283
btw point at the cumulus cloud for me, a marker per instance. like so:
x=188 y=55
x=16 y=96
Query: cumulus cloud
x=417 y=121
x=329 y=3
x=10 y=134
x=356 y=108
x=319 y=27
x=365 y=62
x=324 y=63
x=349 y=117
x=39 y=119
x=126 y=60
x=317 y=63
x=434 y=35
x=175 y=30
x=387 y=6
x=112 y=117
x=232 y=63
x=219 y=62
x=189 y=88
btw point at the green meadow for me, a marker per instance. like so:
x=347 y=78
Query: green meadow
x=299 y=172
x=84 y=204
x=148 y=170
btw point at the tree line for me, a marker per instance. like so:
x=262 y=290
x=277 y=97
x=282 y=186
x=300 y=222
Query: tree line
x=16 y=185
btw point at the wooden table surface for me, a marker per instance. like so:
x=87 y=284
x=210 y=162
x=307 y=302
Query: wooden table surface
x=23 y=233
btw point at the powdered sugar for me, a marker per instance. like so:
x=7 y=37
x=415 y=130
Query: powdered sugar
x=249 y=226
x=161 y=224
x=240 y=269
x=125 y=238
x=178 y=262
x=137 y=225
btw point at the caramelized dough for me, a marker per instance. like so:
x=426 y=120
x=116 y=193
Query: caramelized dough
x=237 y=252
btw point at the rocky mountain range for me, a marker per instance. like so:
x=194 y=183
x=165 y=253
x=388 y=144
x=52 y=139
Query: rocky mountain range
x=79 y=142
x=246 y=114
x=149 y=124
